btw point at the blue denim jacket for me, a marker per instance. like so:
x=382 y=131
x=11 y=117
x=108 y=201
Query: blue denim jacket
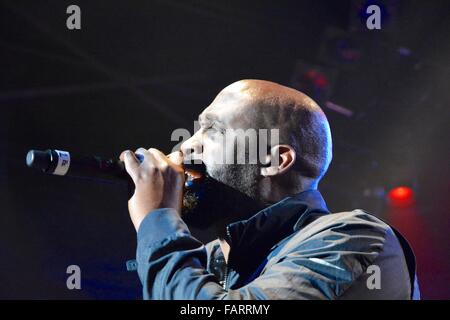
x=294 y=249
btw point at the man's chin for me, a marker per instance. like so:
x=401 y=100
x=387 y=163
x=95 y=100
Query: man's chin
x=212 y=203
x=200 y=205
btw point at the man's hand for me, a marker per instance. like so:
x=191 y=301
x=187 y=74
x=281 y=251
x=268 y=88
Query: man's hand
x=158 y=181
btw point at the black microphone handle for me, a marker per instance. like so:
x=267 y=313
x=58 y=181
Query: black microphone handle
x=64 y=163
x=98 y=169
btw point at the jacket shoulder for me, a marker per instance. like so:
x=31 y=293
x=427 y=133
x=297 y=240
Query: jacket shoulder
x=356 y=222
x=336 y=249
x=345 y=235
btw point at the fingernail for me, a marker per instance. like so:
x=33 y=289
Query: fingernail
x=140 y=157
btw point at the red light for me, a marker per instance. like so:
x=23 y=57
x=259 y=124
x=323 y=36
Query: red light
x=401 y=195
x=320 y=81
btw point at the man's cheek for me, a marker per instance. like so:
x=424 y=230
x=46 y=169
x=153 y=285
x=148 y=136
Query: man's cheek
x=214 y=164
x=212 y=155
x=209 y=160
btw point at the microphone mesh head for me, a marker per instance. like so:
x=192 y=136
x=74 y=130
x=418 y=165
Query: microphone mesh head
x=38 y=159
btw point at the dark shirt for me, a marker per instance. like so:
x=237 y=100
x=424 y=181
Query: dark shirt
x=294 y=249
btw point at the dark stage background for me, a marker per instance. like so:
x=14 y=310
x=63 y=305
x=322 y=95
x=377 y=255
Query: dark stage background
x=137 y=70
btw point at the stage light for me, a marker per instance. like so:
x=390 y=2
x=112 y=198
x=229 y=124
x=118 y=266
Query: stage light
x=314 y=80
x=401 y=196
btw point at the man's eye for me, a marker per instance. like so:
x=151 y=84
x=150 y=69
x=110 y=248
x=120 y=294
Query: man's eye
x=212 y=129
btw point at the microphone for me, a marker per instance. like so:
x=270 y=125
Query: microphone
x=197 y=184
x=64 y=163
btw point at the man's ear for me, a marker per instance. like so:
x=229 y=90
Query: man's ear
x=285 y=155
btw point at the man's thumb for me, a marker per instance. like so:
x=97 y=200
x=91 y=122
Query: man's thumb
x=131 y=162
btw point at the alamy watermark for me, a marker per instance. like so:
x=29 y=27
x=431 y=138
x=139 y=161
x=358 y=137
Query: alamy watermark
x=73 y=21
x=374 y=19
x=374 y=280
x=74 y=279
x=237 y=146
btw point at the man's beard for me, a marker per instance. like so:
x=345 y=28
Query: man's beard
x=226 y=193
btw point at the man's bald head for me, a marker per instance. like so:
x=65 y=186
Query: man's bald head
x=293 y=164
x=301 y=122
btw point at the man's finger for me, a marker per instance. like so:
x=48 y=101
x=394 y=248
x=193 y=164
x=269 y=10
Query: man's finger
x=139 y=156
x=163 y=159
x=176 y=157
x=131 y=163
x=159 y=157
x=142 y=151
x=122 y=156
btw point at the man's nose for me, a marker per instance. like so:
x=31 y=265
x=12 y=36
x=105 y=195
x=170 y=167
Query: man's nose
x=192 y=148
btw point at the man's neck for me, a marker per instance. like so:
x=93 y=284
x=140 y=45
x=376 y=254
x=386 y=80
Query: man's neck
x=220 y=227
x=225 y=247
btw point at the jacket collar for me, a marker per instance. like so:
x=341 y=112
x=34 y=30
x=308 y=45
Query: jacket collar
x=252 y=239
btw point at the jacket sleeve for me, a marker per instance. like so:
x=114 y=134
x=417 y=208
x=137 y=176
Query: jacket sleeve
x=172 y=263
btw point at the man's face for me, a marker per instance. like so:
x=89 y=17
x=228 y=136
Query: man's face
x=213 y=143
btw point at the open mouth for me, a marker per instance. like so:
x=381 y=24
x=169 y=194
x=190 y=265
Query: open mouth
x=195 y=170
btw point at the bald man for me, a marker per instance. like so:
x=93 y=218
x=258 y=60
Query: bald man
x=276 y=237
